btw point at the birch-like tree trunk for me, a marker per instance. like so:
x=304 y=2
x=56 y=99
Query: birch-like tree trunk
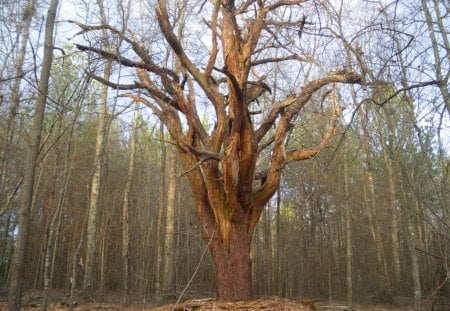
x=100 y=143
x=92 y=226
x=17 y=265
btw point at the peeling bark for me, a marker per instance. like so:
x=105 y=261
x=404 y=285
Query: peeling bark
x=221 y=164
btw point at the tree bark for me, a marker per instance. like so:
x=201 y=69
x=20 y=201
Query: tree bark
x=440 y=76
x=97 y=176
x=56 y=219
x=392 y=210
x=160 y=224
x=168 y=276
x=233 y=265
x=221 y=163
x=92 y=227
x=348 y=232
x=17 y=265
x=27 y=17
x=411 y=240
x=125 y=207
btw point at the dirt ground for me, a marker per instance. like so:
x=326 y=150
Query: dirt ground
x=210 y=304
x=113 y=301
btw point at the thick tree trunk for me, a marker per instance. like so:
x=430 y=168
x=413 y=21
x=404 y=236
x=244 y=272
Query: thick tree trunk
x=233 y=264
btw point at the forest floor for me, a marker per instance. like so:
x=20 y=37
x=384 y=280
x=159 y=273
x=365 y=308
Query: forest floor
x=268 y=304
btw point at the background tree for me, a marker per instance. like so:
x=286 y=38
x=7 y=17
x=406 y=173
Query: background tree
x=17 y=264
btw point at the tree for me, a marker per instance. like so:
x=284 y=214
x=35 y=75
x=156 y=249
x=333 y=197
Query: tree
x=438 y=37
x=101 y=138
x=14 y=295
x=126 y=207
x=229 y=188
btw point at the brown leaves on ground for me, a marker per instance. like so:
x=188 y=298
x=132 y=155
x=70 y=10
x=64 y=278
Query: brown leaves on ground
x=260 y=304
x=270 y=304
x=195 y=305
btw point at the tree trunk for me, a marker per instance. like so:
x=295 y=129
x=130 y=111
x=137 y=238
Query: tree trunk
x=27 y=17
x=92 y=227
x=348 y=233
x=125 y=208
x=55 y=223
x=278 y=265
x=392 y=211
x=440 y=76
x=268 y=253
x=17 y=265
x=384 y=282
x=170 y=220
x=411 y=240
x=233 y=264
x=101 y=137
x=160 y=217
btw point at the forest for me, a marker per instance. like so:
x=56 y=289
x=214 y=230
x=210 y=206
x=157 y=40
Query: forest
x=157 y=151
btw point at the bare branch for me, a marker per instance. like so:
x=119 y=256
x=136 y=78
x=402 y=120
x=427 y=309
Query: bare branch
x=244 y=6
x=284 y=3
x=116 y=86
x=410 y=87
x=115 y=57
x=299 y=155
x=280 y=59
x=207 y=84
x=205 y=154
x=214 y=50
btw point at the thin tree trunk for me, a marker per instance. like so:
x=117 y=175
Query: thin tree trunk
x=414 y=265
x=125 y=207
x=392 y=210
x=371 y=209
x=92 y=227
x=443 y=80
x=278 y=265
x=160 y=218
x=348 y=234
x=170 y=218
x=17 y=266
x=74 y=270
x=101 y=138
x=56 y=218
x=103 y=249
x=268 y=253
x=27 y=17
x=371 y=205
x=5 y=197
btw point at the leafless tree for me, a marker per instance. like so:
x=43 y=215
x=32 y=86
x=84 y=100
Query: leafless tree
x=221 y=165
